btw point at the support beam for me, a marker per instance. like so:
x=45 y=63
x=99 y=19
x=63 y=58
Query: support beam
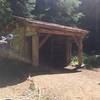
x=35 y=50
x=75 y=38
x=68 y=50
x=78 y=41
x=80 y=52
x=44 y=40
x=27 y=48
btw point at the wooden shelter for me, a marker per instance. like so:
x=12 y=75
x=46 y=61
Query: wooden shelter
x=30 y=28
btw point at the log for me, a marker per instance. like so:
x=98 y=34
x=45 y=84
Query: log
x=35 y=50
x=80 y=52
x=52 y=26
x=68 y=50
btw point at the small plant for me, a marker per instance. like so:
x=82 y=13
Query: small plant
x=90 y=61
x=74 y=61
x=32 y=86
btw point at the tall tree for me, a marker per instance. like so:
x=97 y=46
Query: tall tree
x=5 y=14
x=58 y=11
x=22 y=8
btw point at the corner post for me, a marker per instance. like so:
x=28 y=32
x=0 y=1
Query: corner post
x=35 y=50
x=68 y=50
x=80 y=52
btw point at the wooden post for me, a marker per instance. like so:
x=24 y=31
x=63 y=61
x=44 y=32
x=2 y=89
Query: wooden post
x=27 y=49
x=35 y=50
x=80 y=52
x=68 y=49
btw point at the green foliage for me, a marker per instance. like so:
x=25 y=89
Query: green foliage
x=91 y=61
x=22 y=7
x=69 y=8
x=14 y=7
x=30 y=6
x=58 y=11
x=5 y=14
x=27 y=6
x=74 y=61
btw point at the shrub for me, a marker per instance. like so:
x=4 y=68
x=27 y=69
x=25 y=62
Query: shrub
x=91 y=61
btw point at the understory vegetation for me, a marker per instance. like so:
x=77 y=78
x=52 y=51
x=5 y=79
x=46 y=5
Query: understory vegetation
x=89 y=61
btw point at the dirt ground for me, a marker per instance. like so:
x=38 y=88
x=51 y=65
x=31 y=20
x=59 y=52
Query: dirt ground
x=27 y=83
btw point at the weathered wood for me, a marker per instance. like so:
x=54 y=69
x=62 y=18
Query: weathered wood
x=56 y=32
x=30 y=30
x=76 y=40
x=26 y=48
x=33 y=27
x=35 y=50
x=44 y=40
x=80 y=52
x=22 y=41
x=18 y=43
x=51 y=26
x=68 y=50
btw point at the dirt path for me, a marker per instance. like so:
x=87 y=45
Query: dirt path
x=55 y=85
x=84 y=85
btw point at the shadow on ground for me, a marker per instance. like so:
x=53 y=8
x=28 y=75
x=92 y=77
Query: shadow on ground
x=13 y=72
